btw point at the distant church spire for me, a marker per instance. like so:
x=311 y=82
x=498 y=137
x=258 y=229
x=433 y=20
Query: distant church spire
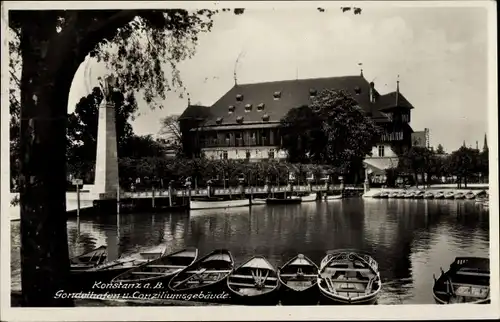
x=361 y=72
x=464 y=144
x=485 y=145
x=397 y=92
x=477 y=145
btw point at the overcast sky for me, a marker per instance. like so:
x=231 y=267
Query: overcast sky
x=439 y=53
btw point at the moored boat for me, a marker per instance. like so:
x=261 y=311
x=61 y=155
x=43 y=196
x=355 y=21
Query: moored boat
x=439 y=195
x=470 y=195
x=207 y=273
x=217 y=203
x=409 y=194
x=160 y=269
x=349 y=277
x=299 y=282
x=384 y=195
x=428 y=195
x=376 y=195
x=393 y=194
x=310 y=197
x=418 y=194
x=89 y=259
x=449 y=195
x=284 y=201
x=255 y=282
x=401 y=194
x=257 y=201
x=459 y=195
x=333 y=197
x=106 y=271
x=467 y=281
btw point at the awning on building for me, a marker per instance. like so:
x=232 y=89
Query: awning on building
x=379 y=165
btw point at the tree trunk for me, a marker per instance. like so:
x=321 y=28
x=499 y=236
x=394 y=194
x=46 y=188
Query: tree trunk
x=44 y=243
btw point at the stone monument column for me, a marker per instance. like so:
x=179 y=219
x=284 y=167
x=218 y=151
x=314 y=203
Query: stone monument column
x=106 y=168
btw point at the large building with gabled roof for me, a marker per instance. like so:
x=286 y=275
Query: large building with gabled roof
x=245 y=122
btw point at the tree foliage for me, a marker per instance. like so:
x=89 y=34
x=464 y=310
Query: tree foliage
x=171 y=133
x=464 y=164
x=332 y=130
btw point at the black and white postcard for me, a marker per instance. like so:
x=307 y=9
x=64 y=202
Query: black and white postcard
x=249 y=160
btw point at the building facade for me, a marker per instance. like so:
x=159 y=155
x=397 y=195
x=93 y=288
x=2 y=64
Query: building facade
x=245 y=122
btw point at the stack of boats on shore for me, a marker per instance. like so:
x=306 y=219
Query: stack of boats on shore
x=343 y=277
x=478 y=195
x=235 y=201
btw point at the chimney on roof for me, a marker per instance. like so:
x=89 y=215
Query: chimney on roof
x=372 y=92
x=361 y=72
x=397 y=92
x=189 y=100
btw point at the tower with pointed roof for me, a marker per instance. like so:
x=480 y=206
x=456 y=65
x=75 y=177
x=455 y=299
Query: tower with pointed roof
x=485 y=144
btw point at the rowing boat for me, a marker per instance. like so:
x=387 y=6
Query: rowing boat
x=467 y=281
x=217 y=203
x=310 y=197
x=383 y=195
x=106 y=271
x=160 y=269
x=284 y=201
x=207 y=273
x=428 y=195
x=449 y=195
x=418 y=194
x=299 y=281
x=349 y=277
x=333 y=197
x=459 y=195
x=89 y=259
x=470 y=195
x=439 y=195
x=393 y=194
x=255 y=282
x=409 y=195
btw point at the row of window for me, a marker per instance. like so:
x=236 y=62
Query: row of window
x=270 y=154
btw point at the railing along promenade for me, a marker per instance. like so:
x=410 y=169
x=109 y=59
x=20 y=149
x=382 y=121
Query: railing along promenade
x=201 y=192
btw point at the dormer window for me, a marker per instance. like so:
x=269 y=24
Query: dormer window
x=260 y=107
x=219 y=120
x=357 y=90
x=239 y=119
x=231 y=108
x=265 y=117
x=239 y=97
x=248 y=107
x=313 y=92
x=277 y=95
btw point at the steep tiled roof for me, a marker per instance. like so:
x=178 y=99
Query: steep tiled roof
x=196 y=111
x=269 y=102
x=388 y=101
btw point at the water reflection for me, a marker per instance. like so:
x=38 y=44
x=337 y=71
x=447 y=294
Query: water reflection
x=410 y=239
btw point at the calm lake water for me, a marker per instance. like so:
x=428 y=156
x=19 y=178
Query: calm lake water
x=410 y=239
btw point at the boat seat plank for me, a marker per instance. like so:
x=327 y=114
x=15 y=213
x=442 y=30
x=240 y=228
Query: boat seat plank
x=166 y=266
x=350 y=281
x=251 y=277
x=349 y=269
x=148 y=273
x=458 y=284
x=473 y=274
x=250 y=285
x=209 y=271
x=295 y=275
